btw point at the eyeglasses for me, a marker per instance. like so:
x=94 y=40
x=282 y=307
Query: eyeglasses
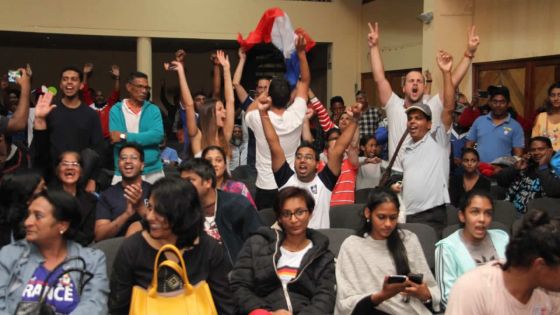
x=69 y=164
x=498 y=102
x=299 y=213
x=141 y=87
x=129 y=157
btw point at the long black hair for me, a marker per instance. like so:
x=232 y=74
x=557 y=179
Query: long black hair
x=539 y=236
x=378 y=196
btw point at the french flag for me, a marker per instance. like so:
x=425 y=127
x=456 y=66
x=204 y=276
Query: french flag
x=275 y=27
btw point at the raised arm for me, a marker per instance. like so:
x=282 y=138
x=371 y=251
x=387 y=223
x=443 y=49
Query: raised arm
x=116 y=75
x=239 y=89
x=216 y=82
x=193 y=132
x=324 y=118
x=461 y=69
x=445 y=63
x=306 y=134
x=223 y=60
x=305 y=75
x=337 y=152
x=19 y=118
x=276 y=152
x=384 y=90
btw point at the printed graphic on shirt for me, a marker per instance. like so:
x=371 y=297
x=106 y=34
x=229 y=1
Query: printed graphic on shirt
x=63 y=295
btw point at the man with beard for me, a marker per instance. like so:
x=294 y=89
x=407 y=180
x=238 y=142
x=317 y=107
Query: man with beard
x=123 y=203
x=137 y=120
x=321 y=184
x=413 y=89
x=497 y=134
x=72 y=125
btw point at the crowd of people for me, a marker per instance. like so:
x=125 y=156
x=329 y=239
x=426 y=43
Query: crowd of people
x=79 y=168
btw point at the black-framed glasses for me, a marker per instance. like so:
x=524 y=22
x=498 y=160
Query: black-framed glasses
x=299 y=213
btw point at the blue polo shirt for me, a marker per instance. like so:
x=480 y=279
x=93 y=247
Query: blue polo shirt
x=494 y=141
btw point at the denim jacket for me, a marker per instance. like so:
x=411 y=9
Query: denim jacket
x=19 y=260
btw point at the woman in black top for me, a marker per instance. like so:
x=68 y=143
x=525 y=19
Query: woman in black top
x=460 y=185
x=174 y=217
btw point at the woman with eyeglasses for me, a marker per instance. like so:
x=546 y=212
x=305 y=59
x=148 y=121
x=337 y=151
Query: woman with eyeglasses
x=68 y=172
x=51 y=226
x=288 y=270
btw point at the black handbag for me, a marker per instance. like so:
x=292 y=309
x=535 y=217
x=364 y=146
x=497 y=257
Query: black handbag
x=41 y=307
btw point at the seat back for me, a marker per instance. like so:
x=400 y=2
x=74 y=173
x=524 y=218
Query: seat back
x=494 y=225
x=428 y=238
x=504 y=212
x=268 y=217
x=361 y=195
x=550 y=205
x=452 y=214
x=347 y=216
x=109 y=247
x=336 y=237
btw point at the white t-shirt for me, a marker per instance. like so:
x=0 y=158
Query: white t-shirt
x=481 y=291
x=131 y=119
x=288 y=127
x=290 y=262
x=369 y=174
x=397 y=121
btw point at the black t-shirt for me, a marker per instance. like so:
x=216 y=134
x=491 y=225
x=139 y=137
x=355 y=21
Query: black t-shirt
x=112 y=204
x=73 y=129
x=134 y=265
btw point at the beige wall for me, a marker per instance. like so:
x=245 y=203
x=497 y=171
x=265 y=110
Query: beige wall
x=209 y=19
x=401 y=33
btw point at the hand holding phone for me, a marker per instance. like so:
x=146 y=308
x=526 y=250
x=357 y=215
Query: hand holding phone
x=396 y=279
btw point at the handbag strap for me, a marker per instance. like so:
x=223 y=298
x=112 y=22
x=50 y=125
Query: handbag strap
x=388 y=170
x=81 y=271
x=183 y=269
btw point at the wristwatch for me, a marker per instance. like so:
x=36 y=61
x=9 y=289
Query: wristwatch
x=123 y=136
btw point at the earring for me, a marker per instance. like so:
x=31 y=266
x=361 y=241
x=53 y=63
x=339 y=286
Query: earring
x=367 y=220
x=61 y=232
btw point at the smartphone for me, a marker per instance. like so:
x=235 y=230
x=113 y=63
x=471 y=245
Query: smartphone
x=416 y=277
x=12 y=75
x=396 y=279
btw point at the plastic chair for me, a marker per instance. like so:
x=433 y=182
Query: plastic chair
x=109 y=247
x=550 y=205
x=427 y=237
x=336 y=237
x=504 y=212
x=347 y=216
x=452 y=214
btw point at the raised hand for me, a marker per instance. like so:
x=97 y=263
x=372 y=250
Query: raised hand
x=444 y=61
x=263 y=102
x=222 y=58
x=25 y=78
x=242 y=54
x=473 y=40
x=180 y=55
x=173 y=66
x=28 y=69
x=115 y=71
x=373 y=35
x=88 y=68
x=44 y=106
x=428 y=75
x=300 y=43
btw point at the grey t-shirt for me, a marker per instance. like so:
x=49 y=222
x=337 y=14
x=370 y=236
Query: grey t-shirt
x=482 y=252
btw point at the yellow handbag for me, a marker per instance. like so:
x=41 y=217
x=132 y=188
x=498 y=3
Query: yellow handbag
x=190 y=300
